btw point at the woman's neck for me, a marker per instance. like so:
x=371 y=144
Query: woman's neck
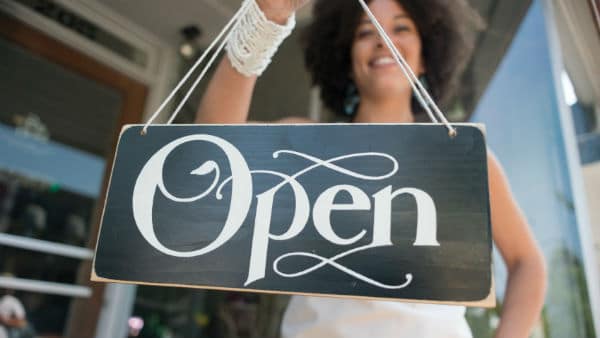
x=393 y=110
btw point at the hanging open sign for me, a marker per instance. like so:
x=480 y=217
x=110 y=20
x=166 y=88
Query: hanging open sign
x=379 y=211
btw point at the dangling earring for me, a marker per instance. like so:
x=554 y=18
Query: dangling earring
x=351 y=99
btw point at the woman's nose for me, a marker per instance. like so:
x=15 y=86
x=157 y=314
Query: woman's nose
x=379 y=43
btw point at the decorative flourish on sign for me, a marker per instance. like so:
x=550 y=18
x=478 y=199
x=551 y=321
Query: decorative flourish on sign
x=323 y=261
x=150 y=180
x=327 y=164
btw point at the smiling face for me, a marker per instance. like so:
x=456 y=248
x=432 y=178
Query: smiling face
x=374 y=71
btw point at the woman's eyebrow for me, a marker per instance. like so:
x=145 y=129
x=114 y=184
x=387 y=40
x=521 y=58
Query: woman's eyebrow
x=399 y=16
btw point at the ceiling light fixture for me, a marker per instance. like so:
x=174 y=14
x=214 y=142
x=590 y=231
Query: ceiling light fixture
x=189 y=46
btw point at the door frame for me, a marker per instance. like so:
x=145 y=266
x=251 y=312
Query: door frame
x=584 y=226
x=84 y=314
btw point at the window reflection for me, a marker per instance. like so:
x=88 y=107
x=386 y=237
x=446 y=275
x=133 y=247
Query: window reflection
x=42 y=210
x=35 y=209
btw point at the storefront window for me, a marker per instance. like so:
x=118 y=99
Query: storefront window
x=56 y=126
x=179 y=313
x=39 y=221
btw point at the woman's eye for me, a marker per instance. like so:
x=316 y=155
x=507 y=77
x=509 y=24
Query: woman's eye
x=364 y=33
x=402 y=28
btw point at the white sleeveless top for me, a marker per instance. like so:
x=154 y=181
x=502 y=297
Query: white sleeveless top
x=314 y=317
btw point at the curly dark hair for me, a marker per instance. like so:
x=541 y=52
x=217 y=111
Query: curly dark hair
x=446 y=29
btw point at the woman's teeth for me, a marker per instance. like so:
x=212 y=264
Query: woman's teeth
x=384 y=61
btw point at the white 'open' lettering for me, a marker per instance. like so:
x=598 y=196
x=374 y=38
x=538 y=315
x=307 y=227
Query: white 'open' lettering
x=150 y=179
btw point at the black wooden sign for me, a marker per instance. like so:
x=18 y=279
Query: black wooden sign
x=378 y=211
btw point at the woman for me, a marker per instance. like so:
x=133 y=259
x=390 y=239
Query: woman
x=358 y=77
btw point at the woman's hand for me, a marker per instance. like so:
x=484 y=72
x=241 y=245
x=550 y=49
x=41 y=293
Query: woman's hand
x=279 y=11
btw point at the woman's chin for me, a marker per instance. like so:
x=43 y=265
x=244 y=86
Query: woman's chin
x=385 y=87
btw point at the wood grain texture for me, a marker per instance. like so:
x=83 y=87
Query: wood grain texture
x=452 y=171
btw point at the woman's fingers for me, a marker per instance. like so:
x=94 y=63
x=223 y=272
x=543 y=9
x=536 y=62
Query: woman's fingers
x=287 y=5
x=280 y=10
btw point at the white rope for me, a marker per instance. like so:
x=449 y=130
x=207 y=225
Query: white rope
x=200 y=77
x=193 y=68
x=398 y=58
x=251 y=43
x=420 y=92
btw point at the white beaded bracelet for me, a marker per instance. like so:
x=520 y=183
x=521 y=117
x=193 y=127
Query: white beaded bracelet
x=255 y=40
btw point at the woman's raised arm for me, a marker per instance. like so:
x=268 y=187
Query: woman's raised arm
x=228 y=96
x=229 y=93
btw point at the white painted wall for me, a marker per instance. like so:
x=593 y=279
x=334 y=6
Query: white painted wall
x=591 y=178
